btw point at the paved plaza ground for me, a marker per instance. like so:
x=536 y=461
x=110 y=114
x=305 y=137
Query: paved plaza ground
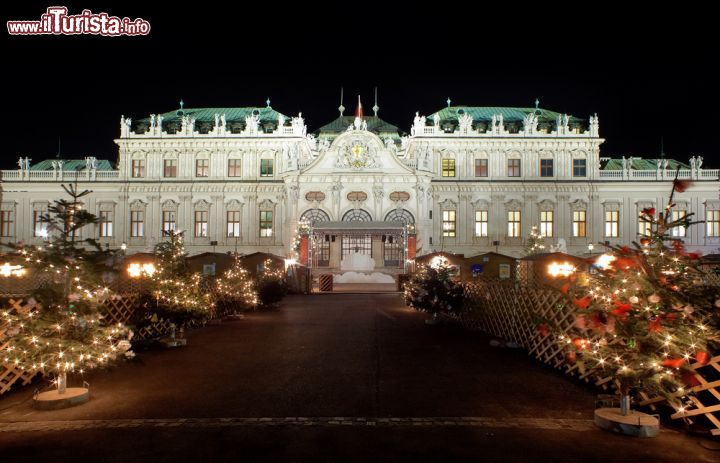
x=336 y=377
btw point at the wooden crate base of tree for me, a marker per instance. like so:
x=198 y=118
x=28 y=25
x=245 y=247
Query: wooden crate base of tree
x=52 y=400
x=636 y=424
x=173 y=342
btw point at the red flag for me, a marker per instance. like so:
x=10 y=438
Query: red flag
x=359 y=110
x=682 y=185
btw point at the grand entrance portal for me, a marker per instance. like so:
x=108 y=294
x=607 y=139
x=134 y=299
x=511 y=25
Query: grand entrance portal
x=366 y=246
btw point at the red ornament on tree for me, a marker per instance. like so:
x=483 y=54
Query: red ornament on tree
x=673 y=363
x=570 y=357
x=583 y=302
x=543 y=329
x=702 y=357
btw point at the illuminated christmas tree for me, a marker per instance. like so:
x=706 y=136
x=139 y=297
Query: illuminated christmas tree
x=235 y=289
x=178 y=293
x=643 y=318
x=271 y=284
x=433 y=288
x=535 y=243
x=62 y=329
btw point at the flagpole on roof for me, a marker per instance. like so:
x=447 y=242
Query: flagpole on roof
x=341 y=108
x=376 y=108
x=359 y=109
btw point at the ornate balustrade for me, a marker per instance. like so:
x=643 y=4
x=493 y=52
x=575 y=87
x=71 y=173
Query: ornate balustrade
x=56 y=175
x=660 y=174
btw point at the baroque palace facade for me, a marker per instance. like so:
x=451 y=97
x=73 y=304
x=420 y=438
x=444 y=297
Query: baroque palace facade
x=465 y=179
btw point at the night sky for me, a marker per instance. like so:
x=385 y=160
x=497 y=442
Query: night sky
x=647 y=74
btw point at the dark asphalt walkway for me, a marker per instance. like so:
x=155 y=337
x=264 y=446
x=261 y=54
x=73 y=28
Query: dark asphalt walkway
x=330 y=378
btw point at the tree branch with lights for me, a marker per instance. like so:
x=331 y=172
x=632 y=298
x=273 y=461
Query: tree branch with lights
x=647 y=313
x=63 y=329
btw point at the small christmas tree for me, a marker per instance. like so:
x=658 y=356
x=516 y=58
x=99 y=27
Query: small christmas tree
x=535 y=243
x=271 y=284
x=433 y=289
x=178 y=293
x=643 y=318
x=62 y=329
x=235 y=290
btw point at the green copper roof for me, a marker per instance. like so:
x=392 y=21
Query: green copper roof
x=374 y=125
x=71 y=165
x=208 y=114
x=641 y=164
x=485 y=113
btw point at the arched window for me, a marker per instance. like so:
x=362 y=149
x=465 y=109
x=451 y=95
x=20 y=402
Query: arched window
x=400 y=215
x=357 y=215
x=315 y=215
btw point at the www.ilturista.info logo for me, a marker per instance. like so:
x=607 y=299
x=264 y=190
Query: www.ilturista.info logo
x=56 y=21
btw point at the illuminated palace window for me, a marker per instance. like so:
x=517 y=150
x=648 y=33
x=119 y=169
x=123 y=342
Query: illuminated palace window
x=137 y=224
x=106 y=224
x=448 y=167
x=170 y=168
x=513 y=224
x=448 y=223
x=481 y=167
x=7 y=223
x=712 y=222
x=201 y=224
x=234 y=167
x=546 y=223
x=39 y=225
x=233 y=224
x=644 y=228
x=679 y=215
x=168 y=221
x=513 y=167
x=481 y=223
x=579 y=224
x=138 y=168
x=266 y=223
x=202 y=167
x=612 y=224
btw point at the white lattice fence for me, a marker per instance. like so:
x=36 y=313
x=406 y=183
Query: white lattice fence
x=514 y=312
x=9 y=373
